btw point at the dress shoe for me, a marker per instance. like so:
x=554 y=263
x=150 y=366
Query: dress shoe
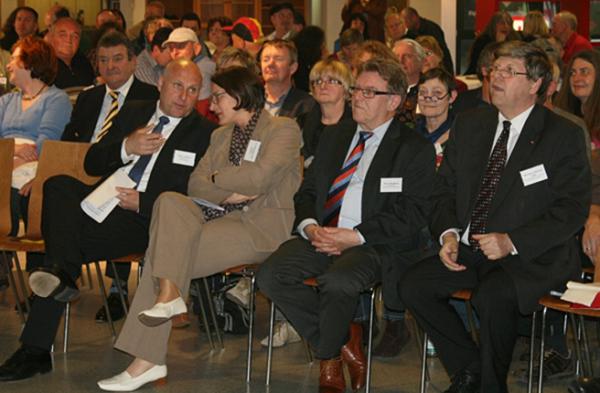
x=331 y=379
x=354 y=357
x=162 y=312
x=126 y=383
x=114 y=306
x=25 y=363
x=585 y=385
x=395 y=337
x=465 y=381
x=53 y=282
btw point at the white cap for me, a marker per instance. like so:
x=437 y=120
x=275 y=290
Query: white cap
x=181 y=34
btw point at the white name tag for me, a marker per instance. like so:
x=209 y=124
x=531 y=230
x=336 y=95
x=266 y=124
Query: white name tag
x=533 y=175
x=390 y=184
x=252 y=150
x=186 y=158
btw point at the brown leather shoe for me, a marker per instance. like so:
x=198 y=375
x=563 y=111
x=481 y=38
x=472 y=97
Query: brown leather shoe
x=354 y=357
x=332 y=376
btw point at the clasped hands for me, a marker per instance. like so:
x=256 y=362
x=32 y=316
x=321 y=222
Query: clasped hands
x=331 y=241
x=493 y=245
x=143 y=141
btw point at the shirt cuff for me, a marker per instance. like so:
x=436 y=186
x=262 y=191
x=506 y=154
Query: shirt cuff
x=453 y=230
x=361 y=237
x=125 y=158
x=303 y=224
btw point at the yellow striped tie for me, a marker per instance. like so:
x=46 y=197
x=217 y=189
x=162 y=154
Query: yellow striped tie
x=112 y=112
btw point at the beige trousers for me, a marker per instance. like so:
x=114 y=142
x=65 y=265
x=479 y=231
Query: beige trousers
x=182 y=247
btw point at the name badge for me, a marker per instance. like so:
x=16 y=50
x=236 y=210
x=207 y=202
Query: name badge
x=252 y=150
x=533 y=175
x=186 y=158
x=390 y=184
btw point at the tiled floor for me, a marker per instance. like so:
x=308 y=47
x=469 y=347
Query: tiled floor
x=193 y=367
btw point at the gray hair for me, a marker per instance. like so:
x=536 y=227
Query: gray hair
x=390 y=71
x=419 y=51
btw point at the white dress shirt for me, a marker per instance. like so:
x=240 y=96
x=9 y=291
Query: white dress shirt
x=351 y=209
x=131 y=159
x=107 y=103
x=516 y=126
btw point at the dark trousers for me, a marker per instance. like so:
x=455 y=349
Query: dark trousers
x=72 y=238
x=426 y=288
x=322 y=317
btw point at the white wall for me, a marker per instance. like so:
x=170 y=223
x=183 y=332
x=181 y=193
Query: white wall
x=331 y=20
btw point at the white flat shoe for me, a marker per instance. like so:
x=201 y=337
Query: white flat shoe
x=126 y=383
x=162 y=312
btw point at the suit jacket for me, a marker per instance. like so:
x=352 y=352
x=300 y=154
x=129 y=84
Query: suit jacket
x=542 y=218
x=390 y=222
x=89 y=104
x=274 y=176
x=296 y=104
x=192 y=134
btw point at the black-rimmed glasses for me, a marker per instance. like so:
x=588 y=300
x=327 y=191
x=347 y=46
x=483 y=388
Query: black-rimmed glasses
x=369 y=93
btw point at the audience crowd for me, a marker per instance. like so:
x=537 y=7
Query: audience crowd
x=376 y=165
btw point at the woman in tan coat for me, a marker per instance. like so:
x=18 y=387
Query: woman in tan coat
x=239 y=209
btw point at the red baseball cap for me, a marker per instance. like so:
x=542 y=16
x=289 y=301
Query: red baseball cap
x=248 y=29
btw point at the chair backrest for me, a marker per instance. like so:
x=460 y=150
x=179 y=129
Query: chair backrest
x=7 y=151
x=57 y=158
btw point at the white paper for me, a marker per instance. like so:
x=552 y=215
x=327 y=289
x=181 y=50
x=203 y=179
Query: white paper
x=186 y=158
x=533 y=175
x=390 y=184
x=103 y=199
x=204 y=202
x=581 y=293
x=252 y=150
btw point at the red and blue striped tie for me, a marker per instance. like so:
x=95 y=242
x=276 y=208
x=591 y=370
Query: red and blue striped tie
x=336 y=193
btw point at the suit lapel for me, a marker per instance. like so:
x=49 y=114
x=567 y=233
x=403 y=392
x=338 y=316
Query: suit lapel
x=338 y=153
x=520 y=154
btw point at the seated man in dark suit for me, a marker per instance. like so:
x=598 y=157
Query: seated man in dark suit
x=93 y=114
x=359 y=210
x=157 y=161
x=506 y=220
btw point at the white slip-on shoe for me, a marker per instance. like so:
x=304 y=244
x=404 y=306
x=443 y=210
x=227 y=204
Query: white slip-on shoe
x=162 y=312
x=284 y=334
x=126 y=383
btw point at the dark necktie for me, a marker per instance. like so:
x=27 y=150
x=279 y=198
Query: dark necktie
x=138 y=169
x=112 y=112
x=489 y=184
x=337 y=190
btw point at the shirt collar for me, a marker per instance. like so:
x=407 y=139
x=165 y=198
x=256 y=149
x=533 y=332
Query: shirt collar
x=518 y=121
x=379 y=131
x=280 y=100
x=123 y=90
x=159 y=113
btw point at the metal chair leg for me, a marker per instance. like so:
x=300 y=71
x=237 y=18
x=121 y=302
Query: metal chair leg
x=580 y=368
x=117 y=281
x=203 y=314
x=531 y=354
x=13 y=286
x=586 y=349
x=423 y=383
x=542 y=345
x=213 y=314
x=66 y=327
x=370 y=342
x=22 y=281
x=102 y=290
x=270 y=346
x=250 y=327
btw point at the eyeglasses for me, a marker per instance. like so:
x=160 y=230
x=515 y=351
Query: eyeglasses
x=432 y=98
x=323 y=81
x=369 y=93
x=214 y=97
x=506 y=73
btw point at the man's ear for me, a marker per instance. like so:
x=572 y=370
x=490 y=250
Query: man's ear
x=536 y=86
x=293 y=68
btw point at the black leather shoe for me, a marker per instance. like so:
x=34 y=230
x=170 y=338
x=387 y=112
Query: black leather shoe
x=585 y=385
x=114 y=306
x=25 y=363
x=53 y=282
x=465 y=382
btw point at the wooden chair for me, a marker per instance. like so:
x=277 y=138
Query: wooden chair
x=576 y=317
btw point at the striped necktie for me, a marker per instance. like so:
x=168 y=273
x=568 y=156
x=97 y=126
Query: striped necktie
x=337 y=190
x=112 y=112
x=489 y=184
x=138 y=169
